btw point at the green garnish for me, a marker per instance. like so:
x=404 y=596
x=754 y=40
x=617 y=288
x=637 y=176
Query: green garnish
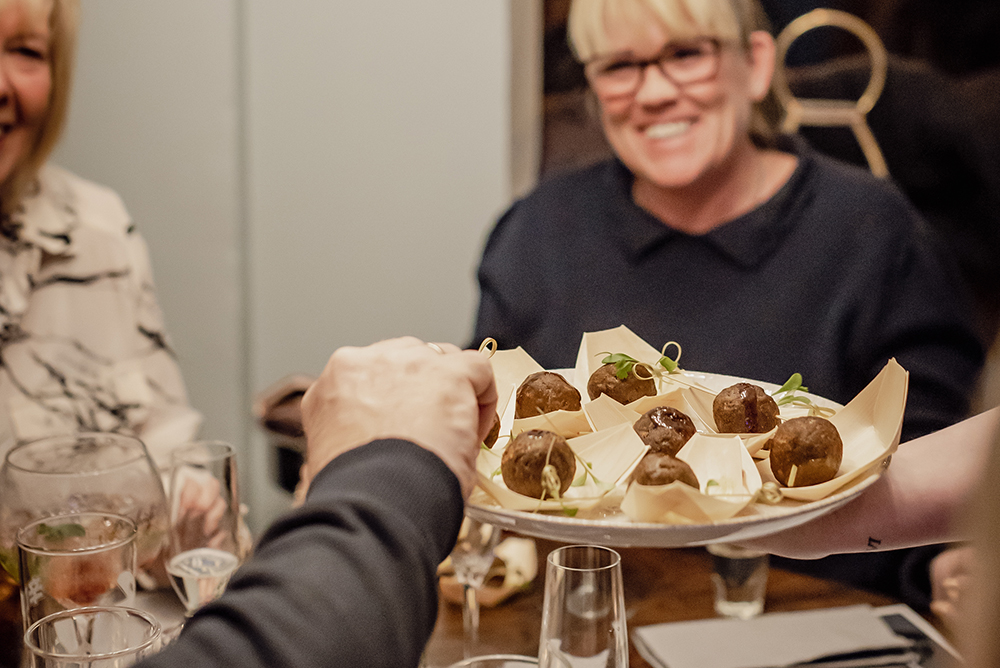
x=61 y=531
x=789 y=396
x=623 y=364
x=711 y=483
x=570 y=512
x=587 y=470
x=793 y=384
x=670 y=364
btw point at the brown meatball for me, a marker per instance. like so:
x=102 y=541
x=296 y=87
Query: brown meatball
x=491 y=438
x=657 y=468
x=744 y=408
x=529 y=453
x=812 y=445
x=544 y=392
x=604 y=381
x=664 y=429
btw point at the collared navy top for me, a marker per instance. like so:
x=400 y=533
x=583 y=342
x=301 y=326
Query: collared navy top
x=831 y=277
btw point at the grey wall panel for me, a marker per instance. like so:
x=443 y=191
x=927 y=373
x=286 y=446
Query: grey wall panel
x=154 y=116
x=308 y=174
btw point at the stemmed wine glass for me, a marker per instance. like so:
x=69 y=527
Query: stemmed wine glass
x=204 y=521
x=86 y=472
x=472 y=557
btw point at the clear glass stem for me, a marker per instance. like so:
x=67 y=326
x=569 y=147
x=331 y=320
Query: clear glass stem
x=470 y=619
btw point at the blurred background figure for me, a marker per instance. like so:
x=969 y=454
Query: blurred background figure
x=82 y=340
x=81 y=334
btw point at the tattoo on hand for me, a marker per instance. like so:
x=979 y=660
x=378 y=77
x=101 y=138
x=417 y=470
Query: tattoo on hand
x=873 y=543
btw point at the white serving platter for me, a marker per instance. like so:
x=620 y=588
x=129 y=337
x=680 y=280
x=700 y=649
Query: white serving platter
x=608 y=525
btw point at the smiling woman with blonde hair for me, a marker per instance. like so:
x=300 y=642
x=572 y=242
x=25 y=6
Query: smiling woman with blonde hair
x=761 y=257
x=34 y=55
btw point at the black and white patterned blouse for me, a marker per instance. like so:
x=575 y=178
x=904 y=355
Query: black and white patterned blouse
x=82 y=340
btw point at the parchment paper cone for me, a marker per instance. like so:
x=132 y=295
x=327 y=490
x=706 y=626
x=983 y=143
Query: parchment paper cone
x=604 y=413
x=510 y=368
x=699 y=404
x=611 y=454
x=568 y=424
x=728 y=480
x=870 y=426
x=595 y=345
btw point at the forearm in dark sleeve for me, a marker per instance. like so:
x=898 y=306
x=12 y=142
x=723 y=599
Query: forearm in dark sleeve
x=347 y=580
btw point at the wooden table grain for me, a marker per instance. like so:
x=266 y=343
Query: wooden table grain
x=661 y=585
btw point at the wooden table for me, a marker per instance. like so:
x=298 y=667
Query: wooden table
x=661 y=585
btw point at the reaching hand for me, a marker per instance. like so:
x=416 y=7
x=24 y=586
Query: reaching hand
x=440 y=398
x=951 y=585
x=200 y=510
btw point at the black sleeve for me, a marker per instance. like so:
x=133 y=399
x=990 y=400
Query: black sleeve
x=349 y=579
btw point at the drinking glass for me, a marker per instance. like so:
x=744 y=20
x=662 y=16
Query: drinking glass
x=739 y=576
x=94 y=637
x=204 y=521
x=472 y=557
x=583 y=613
x=75 y=561
x=86 y=472
x=497 y=661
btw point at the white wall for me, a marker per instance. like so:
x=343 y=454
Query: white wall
x=378 y=153
x=308 y=173
x=155 y=115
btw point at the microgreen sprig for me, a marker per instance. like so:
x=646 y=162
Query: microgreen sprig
x=626 y=364
x=791 y=386
x=62 y=531
x=787 y=394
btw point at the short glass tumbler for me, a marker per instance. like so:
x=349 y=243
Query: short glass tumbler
x=497 y=661
x=96 y=637
x=739 y=575
x=583 y=615
x=75 y=561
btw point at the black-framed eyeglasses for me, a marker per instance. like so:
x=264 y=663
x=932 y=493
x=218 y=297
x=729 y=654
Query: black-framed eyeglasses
x=683 y=62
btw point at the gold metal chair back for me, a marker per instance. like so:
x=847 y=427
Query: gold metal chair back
x=831 y=113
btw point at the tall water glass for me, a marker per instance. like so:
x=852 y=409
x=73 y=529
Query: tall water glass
x=95 y=637
x=583 y=614
x=75 y=561
x=204 y=521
